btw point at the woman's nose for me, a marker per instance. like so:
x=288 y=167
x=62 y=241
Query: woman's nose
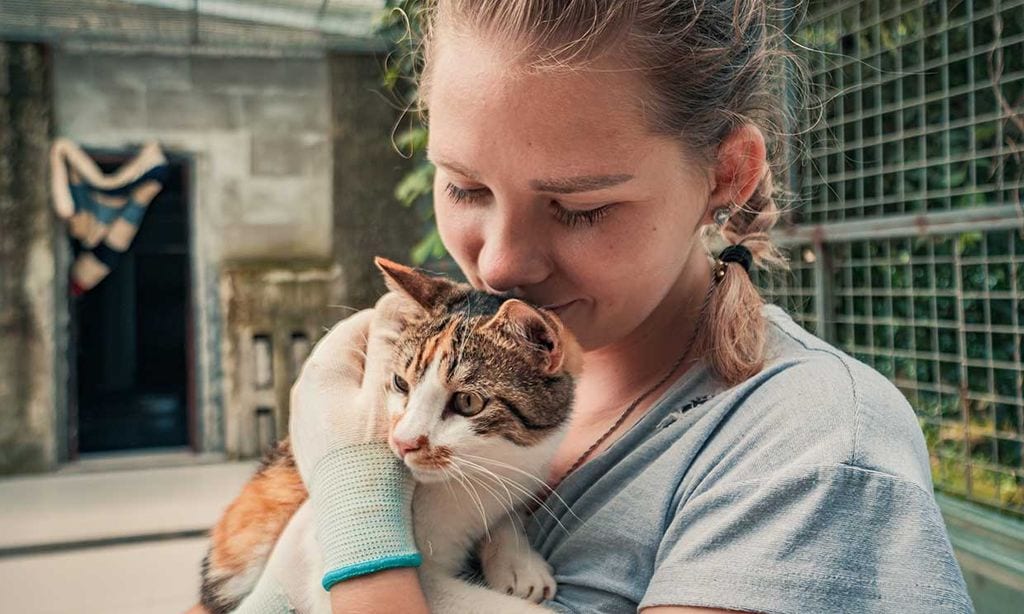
x=513 y=255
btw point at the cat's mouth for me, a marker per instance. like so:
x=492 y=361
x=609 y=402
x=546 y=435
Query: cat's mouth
x=428 y=463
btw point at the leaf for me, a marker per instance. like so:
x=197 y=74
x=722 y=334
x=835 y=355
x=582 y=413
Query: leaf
x=967 y=240
x=430 y=247
x=416 y=183
x=412 y=140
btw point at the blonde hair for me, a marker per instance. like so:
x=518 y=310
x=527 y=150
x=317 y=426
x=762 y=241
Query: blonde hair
x=710 y=67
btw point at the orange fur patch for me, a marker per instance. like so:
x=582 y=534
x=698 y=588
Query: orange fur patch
x=442 y=343
x=255 y=519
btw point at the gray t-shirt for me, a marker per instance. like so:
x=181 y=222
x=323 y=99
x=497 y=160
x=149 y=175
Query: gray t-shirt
x=804 y=489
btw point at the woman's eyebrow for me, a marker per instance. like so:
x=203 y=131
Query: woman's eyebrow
x=582 y=183
x=451 y=165
x=564 y=185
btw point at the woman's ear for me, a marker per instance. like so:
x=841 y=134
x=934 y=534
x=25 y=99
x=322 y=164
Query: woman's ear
x=741 y=165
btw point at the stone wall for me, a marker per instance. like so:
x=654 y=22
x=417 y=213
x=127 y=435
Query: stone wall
x=291 y=175
x=257 y=133
x=29 y=370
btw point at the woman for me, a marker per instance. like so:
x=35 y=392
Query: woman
x=722 y=457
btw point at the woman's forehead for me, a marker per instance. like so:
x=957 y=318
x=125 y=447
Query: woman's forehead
x=478 y=98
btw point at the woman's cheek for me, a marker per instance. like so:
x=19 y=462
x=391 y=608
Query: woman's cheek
x=459 y=233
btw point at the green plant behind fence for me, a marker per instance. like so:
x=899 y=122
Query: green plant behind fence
x=912 y=176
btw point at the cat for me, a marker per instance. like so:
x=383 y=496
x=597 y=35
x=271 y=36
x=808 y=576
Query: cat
x=484 y=385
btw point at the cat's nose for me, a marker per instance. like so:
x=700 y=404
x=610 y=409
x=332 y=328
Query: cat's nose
x=405 y=446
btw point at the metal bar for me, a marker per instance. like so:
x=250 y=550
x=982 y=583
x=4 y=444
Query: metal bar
x=924 y=163
x=920 y=196
x=972 y=120
x=823 y=306
x=943 y=222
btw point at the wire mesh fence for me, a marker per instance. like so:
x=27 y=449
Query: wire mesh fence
x=907 y=250
x=919 y=97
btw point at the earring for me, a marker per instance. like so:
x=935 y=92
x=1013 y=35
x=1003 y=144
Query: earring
x=721 y=216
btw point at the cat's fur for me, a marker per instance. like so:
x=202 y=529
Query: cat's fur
x=474 y=474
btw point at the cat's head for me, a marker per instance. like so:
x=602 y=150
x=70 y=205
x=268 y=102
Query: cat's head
x=476 y=377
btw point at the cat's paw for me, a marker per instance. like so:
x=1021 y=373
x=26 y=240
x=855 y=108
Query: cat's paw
x=520 y=572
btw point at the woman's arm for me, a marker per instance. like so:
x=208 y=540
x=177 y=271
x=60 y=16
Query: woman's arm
x=392 y=590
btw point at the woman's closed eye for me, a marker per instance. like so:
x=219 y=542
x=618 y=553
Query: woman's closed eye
x=572 y=218
x=459 y=195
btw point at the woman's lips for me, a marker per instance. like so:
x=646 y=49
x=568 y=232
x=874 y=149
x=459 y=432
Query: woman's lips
x=560 y=307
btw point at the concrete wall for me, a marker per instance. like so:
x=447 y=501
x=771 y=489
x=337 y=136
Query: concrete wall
x=368 y=221
x=291 y=176
x=29 y=369
x=293 y=179
x=257 y=132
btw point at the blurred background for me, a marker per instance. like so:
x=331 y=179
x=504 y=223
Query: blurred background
x=131 y=413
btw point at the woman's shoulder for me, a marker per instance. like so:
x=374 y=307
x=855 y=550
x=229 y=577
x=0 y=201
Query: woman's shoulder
x=815 y=404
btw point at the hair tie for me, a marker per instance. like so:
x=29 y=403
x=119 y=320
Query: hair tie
x=737 y=253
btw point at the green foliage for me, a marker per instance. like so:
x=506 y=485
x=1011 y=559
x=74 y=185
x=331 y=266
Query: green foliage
x=401 y=24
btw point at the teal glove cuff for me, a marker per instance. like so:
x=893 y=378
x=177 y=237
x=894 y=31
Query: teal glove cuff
x=266 y=598
x=362 y=497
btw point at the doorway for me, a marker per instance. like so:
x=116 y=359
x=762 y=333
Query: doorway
x=131 y=335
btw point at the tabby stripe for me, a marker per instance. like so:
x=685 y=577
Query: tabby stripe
x=453 y=358
x=522 y=417
x=423 y=349
x=418 y=369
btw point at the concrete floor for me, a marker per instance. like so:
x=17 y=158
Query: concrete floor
x=158 y=577
x=110 y=542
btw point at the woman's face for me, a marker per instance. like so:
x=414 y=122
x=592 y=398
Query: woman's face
x=551 y=187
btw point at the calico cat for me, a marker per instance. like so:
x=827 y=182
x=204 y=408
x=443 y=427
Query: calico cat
x=483 y=386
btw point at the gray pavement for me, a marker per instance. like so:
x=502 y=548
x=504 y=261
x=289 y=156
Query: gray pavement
x=110 y=542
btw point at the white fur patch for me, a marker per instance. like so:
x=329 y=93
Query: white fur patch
x=426 y=402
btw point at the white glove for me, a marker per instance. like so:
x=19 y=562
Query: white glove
x=361 y=492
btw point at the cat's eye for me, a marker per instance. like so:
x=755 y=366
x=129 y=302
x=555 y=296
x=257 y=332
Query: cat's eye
x=399 y=384
x=467 y=403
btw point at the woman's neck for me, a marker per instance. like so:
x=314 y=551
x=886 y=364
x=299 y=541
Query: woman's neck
x=615 y=375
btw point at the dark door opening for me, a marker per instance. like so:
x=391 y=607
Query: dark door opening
x=132 y=335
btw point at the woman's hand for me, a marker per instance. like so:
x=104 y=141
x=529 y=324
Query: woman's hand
x=338 y=398
x=360 y=491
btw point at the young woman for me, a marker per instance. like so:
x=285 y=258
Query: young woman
x=589 y=155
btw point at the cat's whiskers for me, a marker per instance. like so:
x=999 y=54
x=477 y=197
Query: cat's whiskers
x=348 y=307
x=513 y=501
x=549 y=491
x=508 y=509
x=447 y=482
x=520 y=488
x=464 y=481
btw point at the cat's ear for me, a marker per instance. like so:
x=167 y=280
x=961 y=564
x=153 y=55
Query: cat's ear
x=427 y=291
x=555 y=346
